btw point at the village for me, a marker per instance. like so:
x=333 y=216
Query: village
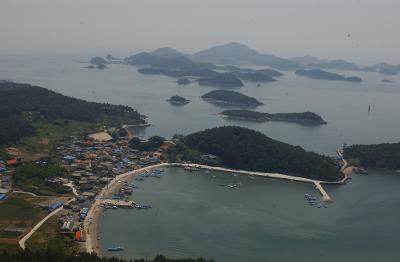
x=91 y=162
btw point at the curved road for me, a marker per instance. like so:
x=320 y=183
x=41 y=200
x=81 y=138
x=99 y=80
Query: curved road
x=22 y=241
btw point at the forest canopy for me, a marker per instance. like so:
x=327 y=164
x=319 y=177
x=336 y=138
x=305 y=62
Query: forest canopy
x=22 y=104
x=242 y=148
x=375 y=156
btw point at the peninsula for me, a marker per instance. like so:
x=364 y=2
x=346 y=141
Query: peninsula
x=26 y=109
x=245 y=149
x=230 y=98
x=385 y=155
x=305 y=118
x=324 y=75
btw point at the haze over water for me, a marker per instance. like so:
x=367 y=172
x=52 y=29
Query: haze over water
x=343 y=105
x=262 y=219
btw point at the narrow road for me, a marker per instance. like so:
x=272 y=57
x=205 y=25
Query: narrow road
x=70 y=185
x=22 y=241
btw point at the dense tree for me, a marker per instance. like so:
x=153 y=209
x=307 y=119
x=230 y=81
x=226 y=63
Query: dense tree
x=153 y=143
x=242 y=148
x=37 y=178
x=21 y=104
x=375 y=156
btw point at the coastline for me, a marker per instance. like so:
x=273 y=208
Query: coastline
x=91 y=222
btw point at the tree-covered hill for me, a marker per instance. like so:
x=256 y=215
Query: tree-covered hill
x=228 y=97
x=20 y=104
x=306 y=118
x=374 y=156
x=242 y=148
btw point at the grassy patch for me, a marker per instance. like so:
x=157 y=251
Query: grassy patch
x=32 y=177
x=50 y=132
x=17 y=209
x=9 y=234
x=9 y=247
x=49 y=237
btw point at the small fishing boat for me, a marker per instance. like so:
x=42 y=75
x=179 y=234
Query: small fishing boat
x=113 y=249
x=138 y=206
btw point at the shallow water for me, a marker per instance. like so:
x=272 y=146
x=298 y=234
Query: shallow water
x=260 y=220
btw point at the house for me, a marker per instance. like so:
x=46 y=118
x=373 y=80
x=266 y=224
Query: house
x=54 y=205
x=12 y=162
x=3 y=196
x=209 y=159
x=68 y=158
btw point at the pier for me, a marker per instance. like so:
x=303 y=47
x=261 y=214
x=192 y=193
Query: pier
x=316 y=183
x=117 y=203
x=101 y=200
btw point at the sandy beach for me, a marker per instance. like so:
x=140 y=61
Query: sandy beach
x=92 y=219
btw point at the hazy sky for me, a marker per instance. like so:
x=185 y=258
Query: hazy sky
x=282 y=27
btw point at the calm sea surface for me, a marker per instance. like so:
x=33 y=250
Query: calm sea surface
x=262 y=219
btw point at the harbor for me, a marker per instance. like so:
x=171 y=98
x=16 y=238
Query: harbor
x=117 y=193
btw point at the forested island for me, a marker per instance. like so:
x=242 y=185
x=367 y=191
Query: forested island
x=220 y=80
x=324 y=75
x=23 y=107
x=385 y=155
x=306 y=118
x=178 y=100
x=245 y=149
x=169 y=62
x=183 y=81
x=230 y=98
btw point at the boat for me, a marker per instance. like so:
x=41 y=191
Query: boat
x=139 y=179
x=207 y=172
x=235 y=174
x=138 y=206
x=232 y=185
x=117 y=248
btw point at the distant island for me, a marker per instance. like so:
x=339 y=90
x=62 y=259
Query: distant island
x=306 y=118
x=24 y=109
x=178 y=100
x=387 y=81
x=245 y=149
x=221 y=80
x=230 y=98
x=183 y=81
x=387 y=69
x=236 y=53
x=112 y=58
x=324 y=75
x=251 y=76
x=98 y=60
x=385 y=155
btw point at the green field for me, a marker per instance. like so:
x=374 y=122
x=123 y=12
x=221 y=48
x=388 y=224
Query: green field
x=49 y=132
x=17 y=209
x=9 y=234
